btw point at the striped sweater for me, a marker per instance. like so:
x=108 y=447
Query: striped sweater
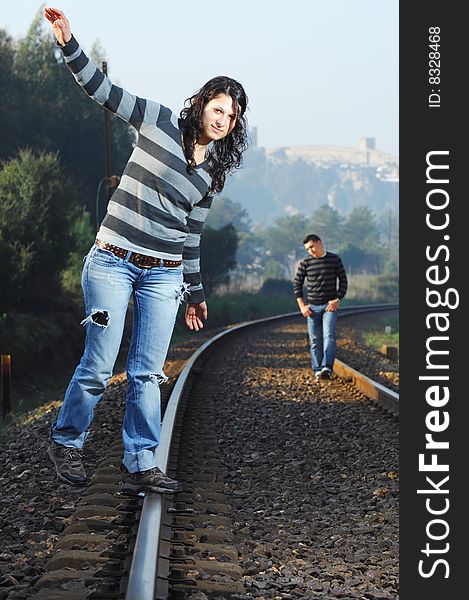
x=159 y=208
x=321 y=276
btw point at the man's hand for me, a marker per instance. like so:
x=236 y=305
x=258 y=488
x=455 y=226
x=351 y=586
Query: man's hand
x=60 y=24
x=306 y=311
x=195 y=314
x=332 y=305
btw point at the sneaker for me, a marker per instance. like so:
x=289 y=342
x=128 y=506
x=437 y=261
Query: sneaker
x=153 y=480
x=68 y=463
x=326 y=373
x=317 y=375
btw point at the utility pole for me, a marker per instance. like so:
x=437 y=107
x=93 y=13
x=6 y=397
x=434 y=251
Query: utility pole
x=6 y=384
x=111 y=181
x=107 y=145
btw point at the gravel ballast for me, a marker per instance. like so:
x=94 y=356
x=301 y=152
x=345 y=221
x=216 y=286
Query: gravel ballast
x=312 y=474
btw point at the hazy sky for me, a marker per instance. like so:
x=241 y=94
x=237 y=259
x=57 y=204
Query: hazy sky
x=315 y=71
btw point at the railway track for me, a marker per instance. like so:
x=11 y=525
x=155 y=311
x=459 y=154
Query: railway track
x=189 y=546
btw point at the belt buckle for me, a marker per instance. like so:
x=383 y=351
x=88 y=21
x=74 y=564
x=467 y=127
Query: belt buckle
x=137 y=260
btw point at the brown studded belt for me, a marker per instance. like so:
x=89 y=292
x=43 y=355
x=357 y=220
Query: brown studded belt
x=140 y=260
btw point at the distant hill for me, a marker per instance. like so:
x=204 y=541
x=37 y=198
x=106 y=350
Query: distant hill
x=277 y=182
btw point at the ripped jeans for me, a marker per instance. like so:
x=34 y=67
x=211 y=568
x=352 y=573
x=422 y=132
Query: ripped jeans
x=108 y=284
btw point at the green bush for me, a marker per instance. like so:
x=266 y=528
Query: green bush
x=71 y=275
x=37 y=209
x=40 y=343
x=277 y=287
x=387 y=287
x=366 y=289
x=218 y=255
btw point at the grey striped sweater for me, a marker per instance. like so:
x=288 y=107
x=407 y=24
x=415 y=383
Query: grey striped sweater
x=322 y=276
x=159 y=208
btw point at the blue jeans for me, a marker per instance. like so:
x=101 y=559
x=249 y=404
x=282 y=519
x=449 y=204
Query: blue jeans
x=321 y=331
x=108 y=284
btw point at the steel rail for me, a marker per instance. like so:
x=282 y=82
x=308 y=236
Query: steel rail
x=143 y=571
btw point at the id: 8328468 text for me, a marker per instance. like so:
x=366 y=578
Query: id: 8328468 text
x=434 y=67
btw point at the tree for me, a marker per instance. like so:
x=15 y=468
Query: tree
x=37 y=209
x=83 y=235
x=284 y=240
x=54 y=115
x=326 y=222
x=224 y=211
x=389 y=226
x=218 y=255
x=361 y=229
x=358 y=259
x=250 y=248
x=273 y=270
x=10 y=94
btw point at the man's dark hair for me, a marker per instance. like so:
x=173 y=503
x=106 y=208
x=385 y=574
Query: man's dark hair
x=311 y=238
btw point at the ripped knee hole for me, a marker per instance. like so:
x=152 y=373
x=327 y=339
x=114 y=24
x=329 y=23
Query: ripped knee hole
x=158 y=378
x=100 y=318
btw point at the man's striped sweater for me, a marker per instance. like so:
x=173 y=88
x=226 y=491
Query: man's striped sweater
x=322 y=275
x=158 y=208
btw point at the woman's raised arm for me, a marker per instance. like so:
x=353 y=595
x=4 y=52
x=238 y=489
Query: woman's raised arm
x=60 y=24
x=95 y=83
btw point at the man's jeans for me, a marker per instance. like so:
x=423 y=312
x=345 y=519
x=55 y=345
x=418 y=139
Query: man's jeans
x=321 y=331
x=108 y=284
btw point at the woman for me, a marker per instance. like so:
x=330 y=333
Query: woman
x=147 y=248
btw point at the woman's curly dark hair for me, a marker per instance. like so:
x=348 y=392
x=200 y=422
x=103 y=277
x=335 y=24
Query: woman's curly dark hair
x=225 y=154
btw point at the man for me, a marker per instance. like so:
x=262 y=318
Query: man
x=322 y=271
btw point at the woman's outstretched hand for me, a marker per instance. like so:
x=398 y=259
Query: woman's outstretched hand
x=59 y=23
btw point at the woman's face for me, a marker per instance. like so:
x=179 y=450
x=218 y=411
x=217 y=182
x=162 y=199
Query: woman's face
x=218 y=119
